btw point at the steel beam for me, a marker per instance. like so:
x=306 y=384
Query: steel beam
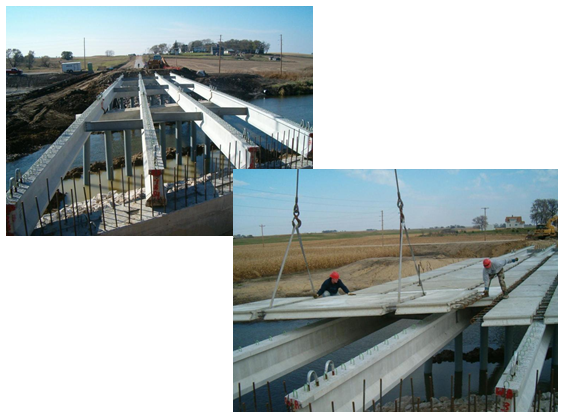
x=519 y=377
x=231 y=142
x=280 y=355
x=389 y=361
x=279 y=128
x=53 y=164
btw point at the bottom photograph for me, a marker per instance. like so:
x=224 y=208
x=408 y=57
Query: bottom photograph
x=395 y=290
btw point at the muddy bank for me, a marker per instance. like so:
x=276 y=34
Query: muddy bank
x=252 y=86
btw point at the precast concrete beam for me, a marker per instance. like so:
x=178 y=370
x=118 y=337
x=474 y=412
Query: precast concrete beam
x=519 y=377
x=280 y=355
x=114 y=125
x=230 y=141
x=229 y=111
x=52 y=165
x=389 y=361
x=281 y=129
x=152 y=161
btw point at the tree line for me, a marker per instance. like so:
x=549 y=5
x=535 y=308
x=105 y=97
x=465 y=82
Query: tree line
x=239 y=46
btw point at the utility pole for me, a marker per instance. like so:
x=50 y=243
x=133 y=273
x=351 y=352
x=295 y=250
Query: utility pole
x=84 y=50
x=262 y=226
x=281 y=55
x=219 y=53
x=382 y=242
x=485 y=218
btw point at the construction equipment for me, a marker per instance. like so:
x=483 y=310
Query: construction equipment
x=544 y=231
x=158 y=62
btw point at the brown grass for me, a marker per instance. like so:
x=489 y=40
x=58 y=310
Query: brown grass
x=255 y=261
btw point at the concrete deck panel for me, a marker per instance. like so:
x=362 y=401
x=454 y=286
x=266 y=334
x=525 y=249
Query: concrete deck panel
x=439 y=301
x=359 y=305
x=279 y=355
x=551 y=315
x=253 y=311
x=520 y=308
x=520 y=374
x=391 y=360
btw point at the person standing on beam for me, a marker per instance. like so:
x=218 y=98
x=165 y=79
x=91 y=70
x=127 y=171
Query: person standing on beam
x=493 y=268
x=331 y=286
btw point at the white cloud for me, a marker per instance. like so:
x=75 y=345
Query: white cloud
x=239 y=183
x=379 y=176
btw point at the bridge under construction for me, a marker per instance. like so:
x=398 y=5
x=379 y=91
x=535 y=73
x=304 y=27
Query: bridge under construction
x=36 y=202
x=445 y=301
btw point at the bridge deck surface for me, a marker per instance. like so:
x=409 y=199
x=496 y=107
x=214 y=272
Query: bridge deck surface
x=452 y=287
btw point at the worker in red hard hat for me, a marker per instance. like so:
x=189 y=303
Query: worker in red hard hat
x=493 y=268
x=331 y=286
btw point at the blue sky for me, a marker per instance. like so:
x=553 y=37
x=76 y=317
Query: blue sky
x=51 y=30
x=353 y=199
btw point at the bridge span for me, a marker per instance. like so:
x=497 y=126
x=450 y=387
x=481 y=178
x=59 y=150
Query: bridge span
x=147 y=105
x=452 y=300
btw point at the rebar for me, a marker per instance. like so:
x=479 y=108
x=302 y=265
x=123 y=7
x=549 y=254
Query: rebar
x=39 y=215
x=255 y=399
x=269 y=396
x=101 y=201
x=49 y=201
x=113 y=203
x=73 y=207
x=63 y=191
x=58 y=215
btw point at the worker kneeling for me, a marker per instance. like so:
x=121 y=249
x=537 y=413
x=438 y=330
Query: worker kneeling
x=493 y=268
x=330 y=287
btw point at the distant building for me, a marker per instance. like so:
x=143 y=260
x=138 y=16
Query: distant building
x=175 y=51
x=514 y=222
x=215 y=48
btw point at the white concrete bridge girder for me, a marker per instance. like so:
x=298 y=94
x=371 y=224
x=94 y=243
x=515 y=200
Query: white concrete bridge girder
x=231 y=142
x=391 y=360
x=270 y=359
x=279 y=128
x=519 y=377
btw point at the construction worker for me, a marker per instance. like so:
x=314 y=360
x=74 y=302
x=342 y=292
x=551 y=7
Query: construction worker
x=330 y=287
x=493 y=268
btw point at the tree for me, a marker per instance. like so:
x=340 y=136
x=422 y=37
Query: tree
x=30 y=59
x=109 y=53
x=14 y=57
x=68 y=55
x=45 y=61
x=480 y=221
x=543 y=209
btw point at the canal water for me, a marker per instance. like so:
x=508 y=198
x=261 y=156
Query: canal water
x=295 y=108
x=245 y=334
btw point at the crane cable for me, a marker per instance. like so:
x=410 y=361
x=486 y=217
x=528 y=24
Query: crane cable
x=296 y=222
x=401 y=227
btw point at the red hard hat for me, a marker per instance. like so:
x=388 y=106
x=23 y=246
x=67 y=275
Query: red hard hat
x=487 y=263
x=335 y=275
